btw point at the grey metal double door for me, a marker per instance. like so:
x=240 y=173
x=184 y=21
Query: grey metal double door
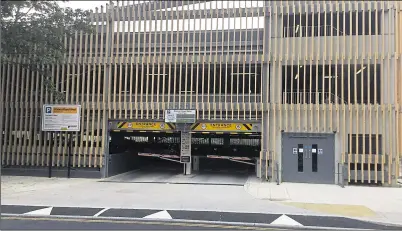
x=308 y=158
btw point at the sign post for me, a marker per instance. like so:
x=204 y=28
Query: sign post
x=59 y=118
x=184 y=118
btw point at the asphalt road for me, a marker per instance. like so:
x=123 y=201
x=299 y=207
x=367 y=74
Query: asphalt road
x=49 y=223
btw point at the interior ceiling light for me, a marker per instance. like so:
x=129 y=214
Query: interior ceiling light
x=330 y=77
x=297 y=28
x=301 y=66
x=297 y=76
x=358 y=72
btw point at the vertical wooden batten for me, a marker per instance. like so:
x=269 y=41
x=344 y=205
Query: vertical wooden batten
x=322 y=67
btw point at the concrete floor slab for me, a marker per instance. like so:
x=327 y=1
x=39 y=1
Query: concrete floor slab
x=175 y=176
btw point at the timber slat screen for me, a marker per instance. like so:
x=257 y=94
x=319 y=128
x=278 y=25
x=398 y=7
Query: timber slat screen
x=297 y=66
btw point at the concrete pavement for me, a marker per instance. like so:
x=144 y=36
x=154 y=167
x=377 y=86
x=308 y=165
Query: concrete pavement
x=175 y=176
x=369 y=203
x=62 y=192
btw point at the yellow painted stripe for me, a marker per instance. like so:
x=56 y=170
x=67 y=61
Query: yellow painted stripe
x=339 y=209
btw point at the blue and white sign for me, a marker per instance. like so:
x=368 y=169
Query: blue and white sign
x=57 y=117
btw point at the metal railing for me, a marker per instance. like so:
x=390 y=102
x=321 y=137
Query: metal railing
x=311 y=31
x=311 y=98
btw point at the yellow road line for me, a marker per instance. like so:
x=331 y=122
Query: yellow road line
x=87 y=220
x=338 y=209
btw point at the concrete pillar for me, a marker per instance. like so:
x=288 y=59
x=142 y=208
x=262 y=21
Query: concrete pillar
x=263 y=167
x=187 y=169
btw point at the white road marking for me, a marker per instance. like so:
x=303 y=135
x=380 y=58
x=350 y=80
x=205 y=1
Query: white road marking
x=285 y=220
x=159 y=215
x=100 y=212
x=45 y=211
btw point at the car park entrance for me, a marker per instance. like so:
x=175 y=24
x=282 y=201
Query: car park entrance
x=152 y=151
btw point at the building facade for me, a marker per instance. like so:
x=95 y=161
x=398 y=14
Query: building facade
x=322 y=79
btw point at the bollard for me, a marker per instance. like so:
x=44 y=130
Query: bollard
x=341 y=175
x=277 y=172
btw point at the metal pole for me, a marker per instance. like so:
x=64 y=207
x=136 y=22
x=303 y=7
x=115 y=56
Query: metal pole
x=342 y=177
x=70 y=143
x=277 y=173
x=51 y=155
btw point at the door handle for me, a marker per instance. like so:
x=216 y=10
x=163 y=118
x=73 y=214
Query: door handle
x=306 y=154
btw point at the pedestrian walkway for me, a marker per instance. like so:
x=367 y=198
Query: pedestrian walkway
x=366 y=203
x=373 y=203
x=174 y=176
x=199 y=216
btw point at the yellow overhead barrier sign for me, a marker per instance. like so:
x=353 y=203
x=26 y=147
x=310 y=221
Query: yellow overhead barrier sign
x=146 y=126
x=222 y=127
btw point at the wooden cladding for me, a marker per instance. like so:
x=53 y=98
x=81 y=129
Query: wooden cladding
x=295 y=66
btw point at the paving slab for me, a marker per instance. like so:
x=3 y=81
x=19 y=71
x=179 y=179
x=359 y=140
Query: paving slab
x=381 y=204
x=94 y=193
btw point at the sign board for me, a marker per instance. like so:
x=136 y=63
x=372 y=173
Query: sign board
x=222 y=127
x=180 y=116
x=57 y=117
x=295 y=151
x=185 y=147
x=185 y=159
x=147 y=126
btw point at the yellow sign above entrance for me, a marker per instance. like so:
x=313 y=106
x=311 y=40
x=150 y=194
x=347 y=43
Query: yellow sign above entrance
x=146 y=126
x=221 y=127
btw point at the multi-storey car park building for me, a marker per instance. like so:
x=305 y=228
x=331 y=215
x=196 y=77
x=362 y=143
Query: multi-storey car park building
x=304 y=91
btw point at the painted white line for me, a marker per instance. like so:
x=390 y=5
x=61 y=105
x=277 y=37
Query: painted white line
x=100 y=212
x=42 y=212
x=159 y=215
x=285 y=220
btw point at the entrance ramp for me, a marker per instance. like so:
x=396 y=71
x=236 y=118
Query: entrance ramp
x=172 y=176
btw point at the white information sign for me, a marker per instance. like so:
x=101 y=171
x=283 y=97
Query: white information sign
x=57 y=117
x=320 y=151
x=180 y=116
